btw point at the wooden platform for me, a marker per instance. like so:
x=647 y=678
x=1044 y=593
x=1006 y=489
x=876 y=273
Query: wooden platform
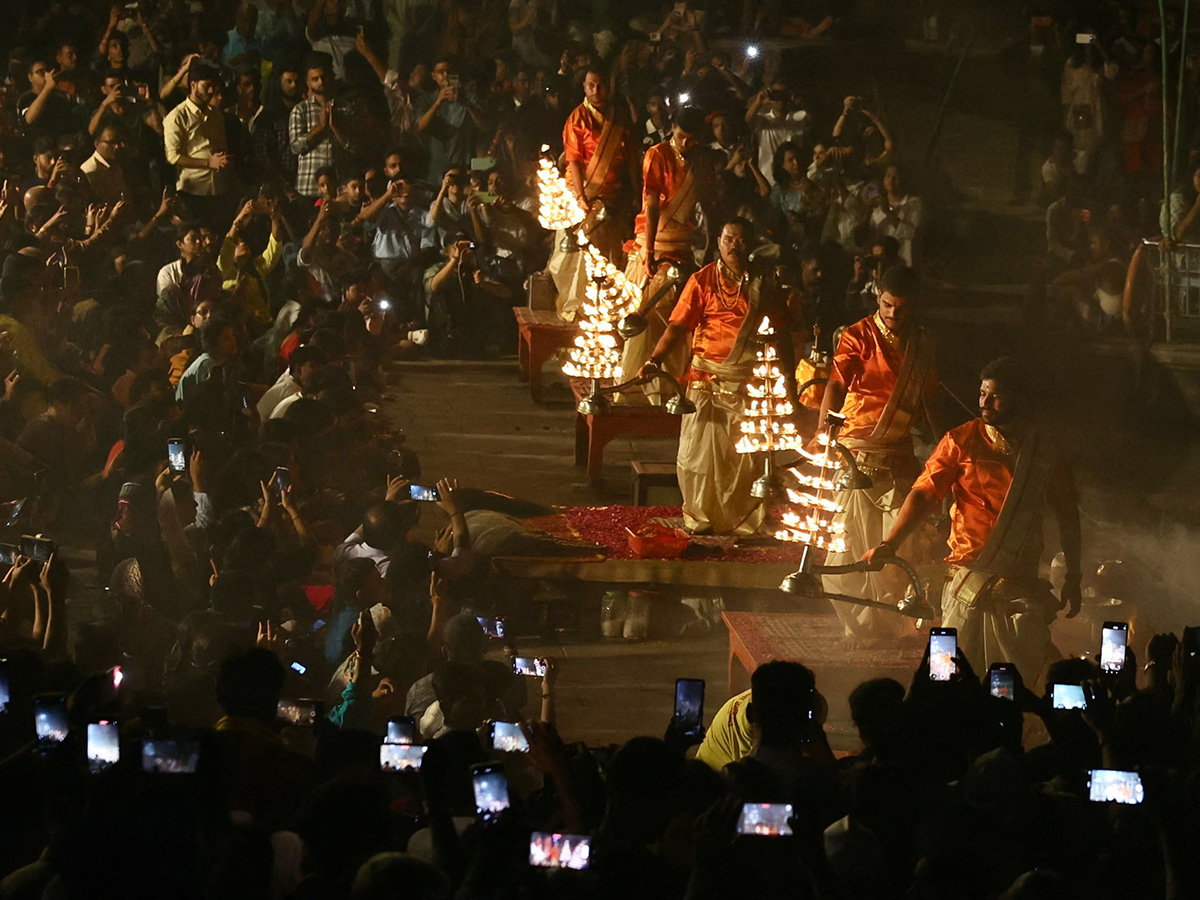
x=593 y=433
x=816 y=641
x=540 y=333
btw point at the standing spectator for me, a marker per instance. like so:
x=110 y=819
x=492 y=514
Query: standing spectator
x=899 y=214
x=329 y=32
x=314 y=131
x=46 y=109
x=449 y=117
x=242 y=46
x=1083 y=100
x=195 y=141
x=269 y=138
x=776 y=117
x=103 y=170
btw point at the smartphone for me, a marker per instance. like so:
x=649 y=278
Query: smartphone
x=491 y=790
x=943 y=647
x=283 y=479
x=423 y=492
x=559 y=851
x=383 y=305
x=1112 y=646
x=529 y=665
x=1114 y=786
x=103 y=745
x=13 y=511
x=398 y=757
x=117 y=676
x=765 y=819
x=482 y=163
x=507 y=737
x=689 y=704
x=36 y=548
x=299 y=712
x=5 y=694
x=170 y=757
x=176 y=455
x=1191 y=641
x=1068 y=696
x=71 y=280
x=1001 y=682
x=8 y=554
x=318 y=625
x=487 y=197
x=1085 y=39
x=50 y=718
x=401 y=730
x=453 y=81
x=299 y=668
x=493 y=628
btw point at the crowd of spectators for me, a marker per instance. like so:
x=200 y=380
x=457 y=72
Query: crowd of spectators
x=1090 y=154
x=219 y=223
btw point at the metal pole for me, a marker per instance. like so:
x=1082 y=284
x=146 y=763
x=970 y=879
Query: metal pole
x=937 y=128
x=1187 y=8
x=1168 y=174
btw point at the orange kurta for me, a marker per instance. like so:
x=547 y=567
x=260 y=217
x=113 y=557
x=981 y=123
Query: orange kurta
x=663 y=174
x=868 y=365
x=581 y=136
x=713 y=319
x=979 y=475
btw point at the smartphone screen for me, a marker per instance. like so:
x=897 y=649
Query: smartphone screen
x=283 y=479
x=8 y=554
x=298 y=667
x=493 y=628
x=1112 y=646
x=689 y=704
x=1001 y=682
x=423 y=492
x=50 y=719
x=401 y=730
x=39 y=549
x=5 y=694
x=299 y=712
x=529 y=665
x=103 y=746
x=13 y=510
x=1113 y=786
x=765 y=819
x=943 y=647
x=491 y=789
x=170 y=757
x=1068 y=696
x=559 y=851
x=508 y=737
x=176 y=457
x=398 y=757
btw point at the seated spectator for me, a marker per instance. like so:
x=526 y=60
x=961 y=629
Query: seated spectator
x=898 y=214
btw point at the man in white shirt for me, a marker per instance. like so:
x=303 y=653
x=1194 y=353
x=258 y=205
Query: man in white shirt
x=101 y=169
x=194 y=137
x=776 y=118
x=302 y=364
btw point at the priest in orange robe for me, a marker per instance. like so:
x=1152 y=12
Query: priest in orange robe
x=668 y=213
x=1002 y=471
x=721 y=306
x=602 y=171
x=882 y=377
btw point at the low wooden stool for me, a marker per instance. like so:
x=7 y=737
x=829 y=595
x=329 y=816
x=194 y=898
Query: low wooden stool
x=650 y=476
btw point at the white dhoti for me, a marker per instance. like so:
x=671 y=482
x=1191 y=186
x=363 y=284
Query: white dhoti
x=714 y=478
x=639 y=348
x=868 y=516
x=1015 y=629
x=570 y=278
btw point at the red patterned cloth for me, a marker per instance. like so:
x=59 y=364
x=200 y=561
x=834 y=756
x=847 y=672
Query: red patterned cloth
x=605 y=525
